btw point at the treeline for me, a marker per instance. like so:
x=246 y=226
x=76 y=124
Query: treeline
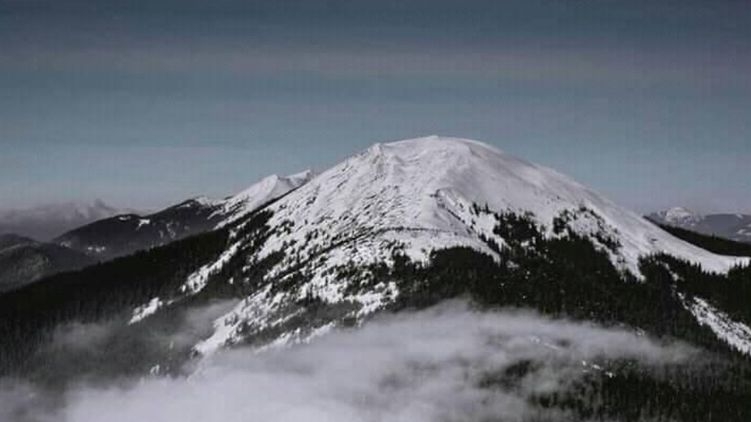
x=106 y=295
x=28 y=316
x=570 y=277
x=730 y=292
x=562 y=277
x=692 y=392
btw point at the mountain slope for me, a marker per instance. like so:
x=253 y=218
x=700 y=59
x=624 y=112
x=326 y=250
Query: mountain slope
x=410 y=199
x=23 y=261
x=259 y=194
x=428 y=184
x=401 y=225
x=735 y=227
x=124 y=234
x=9 y=239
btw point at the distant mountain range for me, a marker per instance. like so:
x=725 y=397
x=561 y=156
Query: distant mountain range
x=124 y=234
x=45 y=222
x=730 y=226
x=24 y=260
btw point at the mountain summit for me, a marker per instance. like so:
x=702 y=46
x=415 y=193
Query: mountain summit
x=410 y=190
x=266 y=190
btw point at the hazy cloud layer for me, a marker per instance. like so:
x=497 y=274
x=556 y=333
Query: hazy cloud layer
x=434 y=365
x=45 y=222
x=107 y=352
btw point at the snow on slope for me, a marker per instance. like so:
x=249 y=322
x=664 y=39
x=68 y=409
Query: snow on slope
x=416 y=196
x=736 y=334
x=228 y=211
x=268 y=189
x=426 y=184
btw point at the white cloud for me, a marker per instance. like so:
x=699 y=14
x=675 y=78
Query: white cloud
x=425 y=366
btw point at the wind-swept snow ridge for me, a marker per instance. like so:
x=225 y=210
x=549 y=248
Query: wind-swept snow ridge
x=736 y=334
x=267 y=189
x=416 y=192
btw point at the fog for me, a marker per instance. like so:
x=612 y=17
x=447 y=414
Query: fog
x=98 y=353
x=448 y=363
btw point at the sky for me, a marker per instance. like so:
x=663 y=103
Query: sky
x=145 y=103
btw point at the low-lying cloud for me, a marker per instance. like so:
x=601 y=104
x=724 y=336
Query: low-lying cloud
x=109 y=350
x=449 y=363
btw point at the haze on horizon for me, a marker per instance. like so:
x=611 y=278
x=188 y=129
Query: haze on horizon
x=145 y=103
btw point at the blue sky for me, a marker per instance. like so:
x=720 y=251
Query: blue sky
x=144 y=103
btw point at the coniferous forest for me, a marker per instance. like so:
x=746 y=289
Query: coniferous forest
x=569 y=276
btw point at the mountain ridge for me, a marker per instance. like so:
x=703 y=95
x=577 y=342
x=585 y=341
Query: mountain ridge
x=733 y=226
x=124 y=234
x=44 y=222
x=24 y=260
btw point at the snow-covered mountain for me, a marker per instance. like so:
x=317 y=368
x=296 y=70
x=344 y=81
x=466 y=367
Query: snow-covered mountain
x=428 y=185
x=408 y=198
x=126 y=233
x=400 y=225
x=730 y=226
x=260 y=193
x=47 y=221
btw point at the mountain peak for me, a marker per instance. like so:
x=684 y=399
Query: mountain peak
x=429 y=184
x=435 y=143
x=267 y=189
x=414 y=197
x=678 y=214
x=302 y=176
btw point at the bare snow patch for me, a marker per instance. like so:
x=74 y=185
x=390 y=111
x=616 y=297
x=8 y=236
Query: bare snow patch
x=736 y=334
x=198 y=280
x=146 y=310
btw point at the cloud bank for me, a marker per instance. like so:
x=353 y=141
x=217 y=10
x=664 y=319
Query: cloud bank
x=449 y=363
